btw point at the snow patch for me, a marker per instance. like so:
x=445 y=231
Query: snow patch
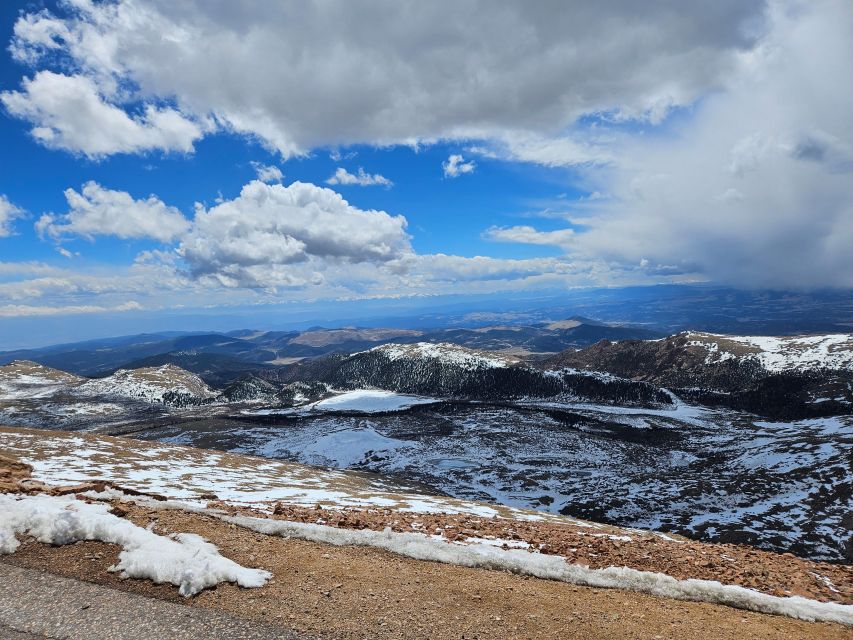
x=488 y=556
x=445 y=353
x=370 y=401
x=184 y=559
x=777 y=354
x=348 y=447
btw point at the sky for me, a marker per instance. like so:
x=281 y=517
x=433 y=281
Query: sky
x=213 y=155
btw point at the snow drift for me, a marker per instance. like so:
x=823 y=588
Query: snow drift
x=485 y=556
x=184 y=559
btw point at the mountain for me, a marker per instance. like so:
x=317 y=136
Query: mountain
x=215 y=369
x=24 y=379
x=166 y=384
x=542 y=338
x=783 y=377
x=32 y=394
x=447 y=370
x=221 y=358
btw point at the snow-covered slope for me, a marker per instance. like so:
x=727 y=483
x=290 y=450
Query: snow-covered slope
x=778 y=354
x=26 y=379
x=783 y=377
x=370 y=401
x=445 y=353
x=151 y=384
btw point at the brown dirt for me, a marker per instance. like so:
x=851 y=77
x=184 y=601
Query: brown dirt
x=356 y=592
x=599 y=547
x=776 y=574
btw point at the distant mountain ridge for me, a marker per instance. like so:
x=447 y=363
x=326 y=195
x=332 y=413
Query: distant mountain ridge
x=790 y=377
x=222 y=357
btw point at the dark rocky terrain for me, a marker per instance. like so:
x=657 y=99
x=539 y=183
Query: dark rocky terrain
x=801 y=378
x=448 y=371
x=219 y=358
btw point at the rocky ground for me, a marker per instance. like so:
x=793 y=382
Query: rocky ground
x=123 y=464
x=349 y=593
x=357 y=592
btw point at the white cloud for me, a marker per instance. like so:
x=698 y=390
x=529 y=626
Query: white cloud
x=254 y=239
x=69 y=112
x=23 y=310
x=342 y=176
x=267 y=173
x=97 y=211
x=756 y=189
x=8 y=214
x=26 y=268
x=525 y=234
x=453 y=70
x=336 y=156
x=579 y=148
x=455 y=166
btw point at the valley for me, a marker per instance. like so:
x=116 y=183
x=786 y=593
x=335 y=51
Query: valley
x=675 y=434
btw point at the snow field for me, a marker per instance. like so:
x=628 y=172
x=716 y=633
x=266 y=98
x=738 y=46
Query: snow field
x=369 y=401
x=777 y=354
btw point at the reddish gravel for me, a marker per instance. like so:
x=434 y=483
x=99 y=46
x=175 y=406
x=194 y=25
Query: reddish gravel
x=600 y=547
x=776 y=574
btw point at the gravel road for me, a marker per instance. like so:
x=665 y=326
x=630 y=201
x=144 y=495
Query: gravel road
x=38 y=606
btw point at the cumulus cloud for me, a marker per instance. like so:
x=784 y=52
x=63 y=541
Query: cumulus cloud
x=455 y=166
x=267 y=173
x=252 y=239
x=8 y=214
x=361 y=178
x=749 y=183
x=267 y=70
x=97 y=211
x=69 y=112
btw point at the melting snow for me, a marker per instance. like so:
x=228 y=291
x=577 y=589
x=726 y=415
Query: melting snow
x=488 y=556
x=184 y=559
x=446 y=353
x=370 y=401
x=834 y=351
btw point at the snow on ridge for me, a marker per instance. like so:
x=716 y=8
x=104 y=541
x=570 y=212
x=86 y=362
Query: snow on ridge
x=149 y=383
x=27 y=379
x=777 y=354
x=446 y=353
x=185 y=560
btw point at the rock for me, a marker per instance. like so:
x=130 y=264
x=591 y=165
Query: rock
x=12 y=470
x=119 y=510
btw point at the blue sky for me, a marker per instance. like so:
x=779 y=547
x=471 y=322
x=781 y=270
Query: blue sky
x=507 y=154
